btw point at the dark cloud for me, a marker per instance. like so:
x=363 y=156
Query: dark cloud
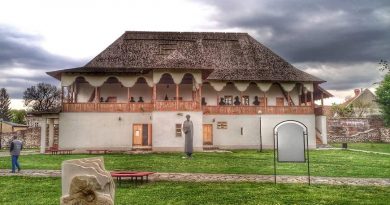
x=344 y=76
x=20 y=50
x=307 y=30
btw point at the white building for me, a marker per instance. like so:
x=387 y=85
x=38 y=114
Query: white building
x=136 y=93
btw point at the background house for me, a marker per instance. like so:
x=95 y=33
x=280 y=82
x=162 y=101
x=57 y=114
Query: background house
x=363 y=103
x=6 y=127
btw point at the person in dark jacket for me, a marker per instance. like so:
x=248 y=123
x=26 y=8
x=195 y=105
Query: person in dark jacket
x=15 y=148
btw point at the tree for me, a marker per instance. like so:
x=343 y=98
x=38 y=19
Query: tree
x=361 y=108
x=383 y=98
x=42 y=97
x=384 y=66
x=18 y=116
x=342 y=111
x=4 y=105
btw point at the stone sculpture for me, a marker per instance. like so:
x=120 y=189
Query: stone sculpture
x=86 y=182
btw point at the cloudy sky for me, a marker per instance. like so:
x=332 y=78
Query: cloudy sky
x=339 y=41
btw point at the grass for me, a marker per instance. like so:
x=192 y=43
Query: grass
x=368 y=146
x=337 y=163
x=48 y=191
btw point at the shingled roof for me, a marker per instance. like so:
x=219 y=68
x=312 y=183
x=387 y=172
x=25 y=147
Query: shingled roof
x=227 y=56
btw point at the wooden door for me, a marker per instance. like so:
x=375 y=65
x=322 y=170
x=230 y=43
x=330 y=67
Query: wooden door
x=137 y=134
x=207 y=134
x=142 y=134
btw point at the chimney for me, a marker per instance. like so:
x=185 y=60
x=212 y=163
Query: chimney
x=357 y=91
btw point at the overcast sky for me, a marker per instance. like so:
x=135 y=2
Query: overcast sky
x=338 y=41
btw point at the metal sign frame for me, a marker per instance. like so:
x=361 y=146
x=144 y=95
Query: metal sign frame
x=305 y=146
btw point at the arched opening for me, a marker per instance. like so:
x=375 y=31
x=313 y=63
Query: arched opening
x=188 y=91
x=165 y=88
x=112 y=91
x=84 y=91
x=140 y=92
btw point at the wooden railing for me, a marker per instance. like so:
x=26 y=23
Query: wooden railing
x=253 y=110
x=172 y=105
x=107 y=107
x=185 y=106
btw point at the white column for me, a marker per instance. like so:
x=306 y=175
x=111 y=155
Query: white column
x=43 y=135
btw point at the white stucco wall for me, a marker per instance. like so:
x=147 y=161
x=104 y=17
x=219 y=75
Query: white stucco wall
x=99 y=130
x=321 y=126
x=164 y=133
x=231 y=137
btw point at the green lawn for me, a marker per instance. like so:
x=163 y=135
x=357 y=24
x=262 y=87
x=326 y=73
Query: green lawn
x=48 y=190
x=375 y=147
x=341 y=163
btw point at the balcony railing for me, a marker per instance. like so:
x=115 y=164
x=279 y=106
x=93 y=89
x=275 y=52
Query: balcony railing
x=131 y=107
x=253 y=110
x=107 y=107
x=185 y=106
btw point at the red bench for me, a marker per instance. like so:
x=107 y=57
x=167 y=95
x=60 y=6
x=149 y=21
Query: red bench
x=62 y=151
x=54 y=150
x=131 y=175
x=98 y=151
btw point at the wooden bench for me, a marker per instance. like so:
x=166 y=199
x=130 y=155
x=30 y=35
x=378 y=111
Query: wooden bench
x=98 y=151
x=131 y=175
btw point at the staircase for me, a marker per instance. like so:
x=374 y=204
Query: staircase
x=319 y=143
x=141 y=149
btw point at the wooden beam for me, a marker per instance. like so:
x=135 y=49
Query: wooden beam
x=76 y=92
x=305 y=93
x=62 y=94
x=68 y=94
x=96 y=95
x=128 y=94
x=288 y=99
x=322 y=99
x=154 y=95
x=177 y=97
x=312 y=99
x=200 y=95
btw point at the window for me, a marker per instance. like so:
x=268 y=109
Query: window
x=279 y=101
x=245 y=100
x=221 y=125
x=228 y=100
x=178 y=130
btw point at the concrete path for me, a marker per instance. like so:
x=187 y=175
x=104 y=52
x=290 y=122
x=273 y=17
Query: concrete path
x=199 y=177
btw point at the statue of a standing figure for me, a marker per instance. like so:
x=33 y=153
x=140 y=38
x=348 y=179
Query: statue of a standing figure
x=188 y=129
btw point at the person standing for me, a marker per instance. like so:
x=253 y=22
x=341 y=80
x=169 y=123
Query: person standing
x=188 y=129
x=15 y=148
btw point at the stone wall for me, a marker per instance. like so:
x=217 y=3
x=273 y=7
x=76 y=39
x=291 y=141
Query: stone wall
x=385 y=134
x=30 y=137
x=357 y=130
